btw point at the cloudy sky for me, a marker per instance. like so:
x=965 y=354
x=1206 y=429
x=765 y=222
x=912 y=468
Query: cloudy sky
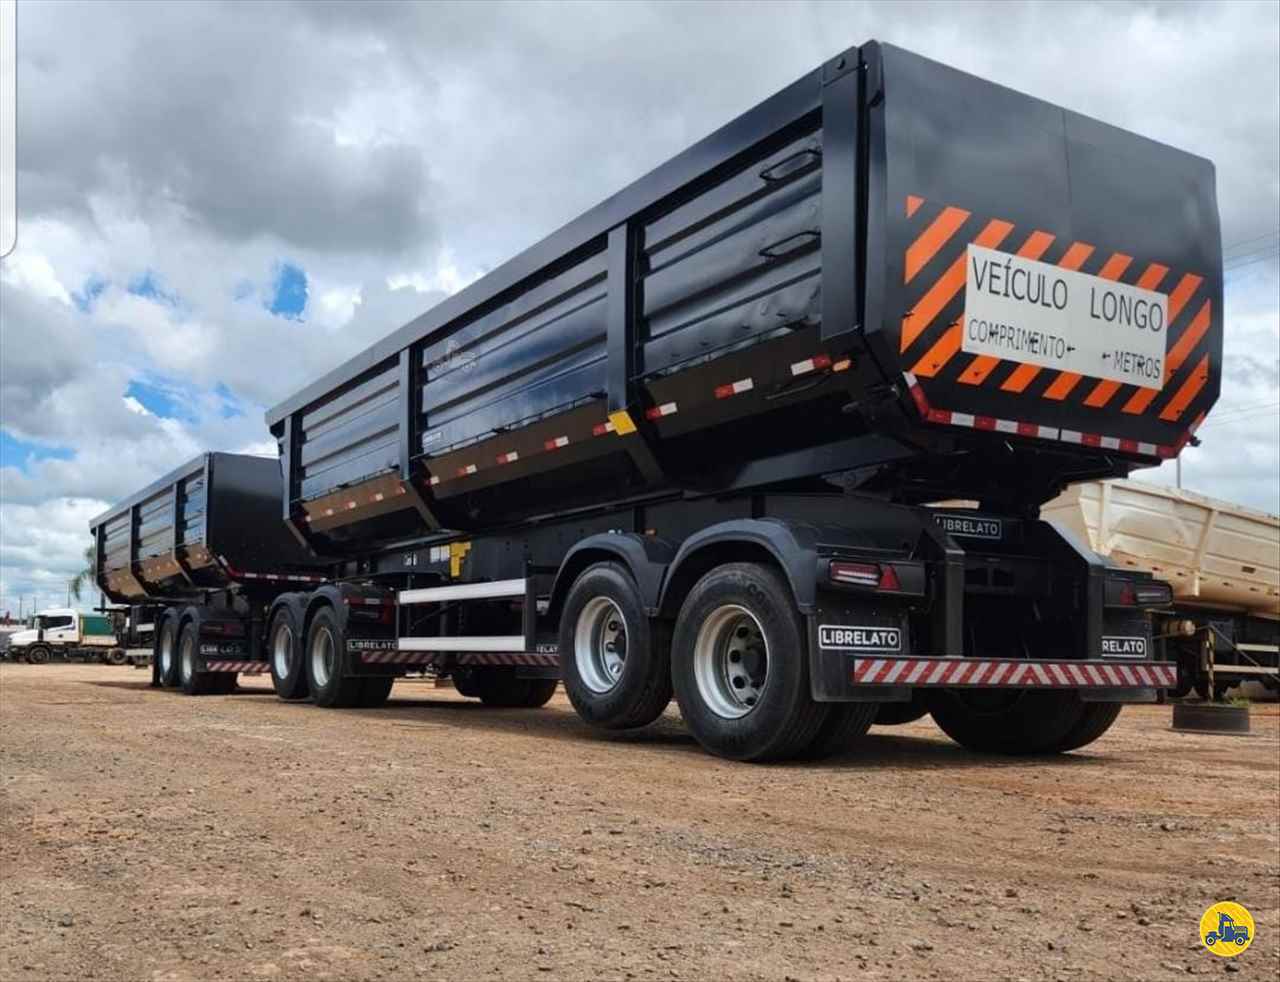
x=219 y=201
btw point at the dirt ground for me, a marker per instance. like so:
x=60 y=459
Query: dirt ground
x=146 y=835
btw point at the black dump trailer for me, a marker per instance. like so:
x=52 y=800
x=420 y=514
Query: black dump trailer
x=694 y=441
x=198 y=557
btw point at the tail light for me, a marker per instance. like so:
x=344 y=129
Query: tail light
x=873 y=576
x=1130 y=593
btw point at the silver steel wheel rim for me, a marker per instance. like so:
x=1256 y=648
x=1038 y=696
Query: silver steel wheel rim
x=322 y=657
x=731 y=661
x=600 y=644
x=282 y=650
x=166 y=653
x=188 y=656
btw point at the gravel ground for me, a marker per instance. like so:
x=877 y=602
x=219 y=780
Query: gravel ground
x=146 y=835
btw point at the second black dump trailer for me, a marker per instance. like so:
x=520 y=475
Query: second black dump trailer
x=689 y=443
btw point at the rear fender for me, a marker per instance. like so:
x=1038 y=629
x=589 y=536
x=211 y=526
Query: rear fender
x=646 y=557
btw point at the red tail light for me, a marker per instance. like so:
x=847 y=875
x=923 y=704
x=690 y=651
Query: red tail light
x=870 y=575
x=889 y=580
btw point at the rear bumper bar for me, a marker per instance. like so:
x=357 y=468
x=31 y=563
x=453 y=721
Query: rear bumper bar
x=981 y=673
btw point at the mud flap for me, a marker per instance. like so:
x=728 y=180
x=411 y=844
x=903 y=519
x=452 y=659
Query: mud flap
x=844 y=628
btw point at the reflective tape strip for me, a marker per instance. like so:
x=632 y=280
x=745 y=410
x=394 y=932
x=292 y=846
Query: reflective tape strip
x=666 y=409
x=947 y=417
x=600 y=429
x=245 y=667
x=734 y=388
x=508 y=458
x=399 y=657
x=557 y=443
x=465 y=471
x=816 y=363
x=983 y=673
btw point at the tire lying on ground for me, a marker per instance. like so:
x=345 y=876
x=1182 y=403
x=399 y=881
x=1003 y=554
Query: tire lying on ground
x=740 y=666
x=616 y=661
x=1020 y=721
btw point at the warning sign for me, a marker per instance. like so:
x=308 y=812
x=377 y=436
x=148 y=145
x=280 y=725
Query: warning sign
x=1028 y=311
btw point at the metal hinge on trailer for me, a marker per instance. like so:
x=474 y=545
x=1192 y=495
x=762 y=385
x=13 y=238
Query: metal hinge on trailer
x=983 y=673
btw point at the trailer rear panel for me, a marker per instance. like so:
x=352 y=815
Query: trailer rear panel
x=890 y=271
x=213 y=522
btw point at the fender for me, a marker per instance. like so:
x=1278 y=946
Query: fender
x=340 y=597
x=793 y=546
x=647 y=557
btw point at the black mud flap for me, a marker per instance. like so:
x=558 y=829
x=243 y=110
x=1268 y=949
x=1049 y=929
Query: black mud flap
x=843 y=628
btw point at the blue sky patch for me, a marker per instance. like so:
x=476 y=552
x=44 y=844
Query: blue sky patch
x=18 y=453
x=148 y=286
x=89 y=293
x=162 y=400
x=231 y=405
x=290 y=297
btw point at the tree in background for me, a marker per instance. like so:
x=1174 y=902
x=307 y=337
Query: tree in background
x=76 y=585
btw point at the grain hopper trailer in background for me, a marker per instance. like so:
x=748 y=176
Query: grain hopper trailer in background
x=1221 y=559
x=682 y=444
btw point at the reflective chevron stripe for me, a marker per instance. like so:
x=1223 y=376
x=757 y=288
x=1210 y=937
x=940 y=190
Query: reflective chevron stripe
x=972 y=672
x=245 y=667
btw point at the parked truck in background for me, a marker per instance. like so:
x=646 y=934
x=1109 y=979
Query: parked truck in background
x=64 y=632
x=683 y=446
x=1221 y=559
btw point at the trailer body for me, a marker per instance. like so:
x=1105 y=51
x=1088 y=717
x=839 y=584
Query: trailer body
x=1221 y=559
x=684 y=443
x=802 y=293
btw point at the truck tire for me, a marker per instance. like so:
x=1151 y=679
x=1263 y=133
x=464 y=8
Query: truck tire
x=167 y=654
x=38 y=654
x=740 y=666
x=1094 y=721
x=285 y=651
x=845 y=725
x=375 y=690
x=1010 y=722
x=616 y=661
x=501 y=688
x=193 y=681
x=332 y=685
x=117 y=656
x=900 y=713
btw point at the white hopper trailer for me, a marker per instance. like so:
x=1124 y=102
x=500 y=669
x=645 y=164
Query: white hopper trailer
x=1222 y=560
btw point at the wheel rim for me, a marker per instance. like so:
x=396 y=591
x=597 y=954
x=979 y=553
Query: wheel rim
x=166 y=652
x=322 y=657
x=731 y=661
x=282 y=650
x=188 y=656
x=600 y=644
